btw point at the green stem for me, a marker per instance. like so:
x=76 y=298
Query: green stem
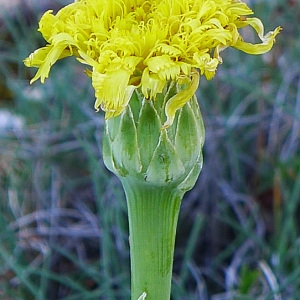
x=153 y=214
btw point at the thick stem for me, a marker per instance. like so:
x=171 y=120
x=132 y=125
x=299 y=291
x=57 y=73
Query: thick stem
x=153 y=214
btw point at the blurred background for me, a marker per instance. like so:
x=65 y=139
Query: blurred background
x=63 y=218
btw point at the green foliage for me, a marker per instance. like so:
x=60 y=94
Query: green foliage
x=63 y=217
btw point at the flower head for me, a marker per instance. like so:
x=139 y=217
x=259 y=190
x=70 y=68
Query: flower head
x=131 y=44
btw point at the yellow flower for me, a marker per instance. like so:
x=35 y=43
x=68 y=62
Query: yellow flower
x=130 y=44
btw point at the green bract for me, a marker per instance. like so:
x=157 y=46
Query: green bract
x=137 y=147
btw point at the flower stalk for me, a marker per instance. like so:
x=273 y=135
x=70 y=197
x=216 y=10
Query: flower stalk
x=153 y=215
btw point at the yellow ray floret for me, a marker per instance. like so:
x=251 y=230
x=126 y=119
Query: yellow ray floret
x=129 y=44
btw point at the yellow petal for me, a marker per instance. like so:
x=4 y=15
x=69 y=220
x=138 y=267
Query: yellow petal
x=44 y=58
x=267 y=40
x=163 y=66
x=151 y=84
x=112 y=91
x=48 y=25
x=180 y=99
x=206 y=64
x=239 y=8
